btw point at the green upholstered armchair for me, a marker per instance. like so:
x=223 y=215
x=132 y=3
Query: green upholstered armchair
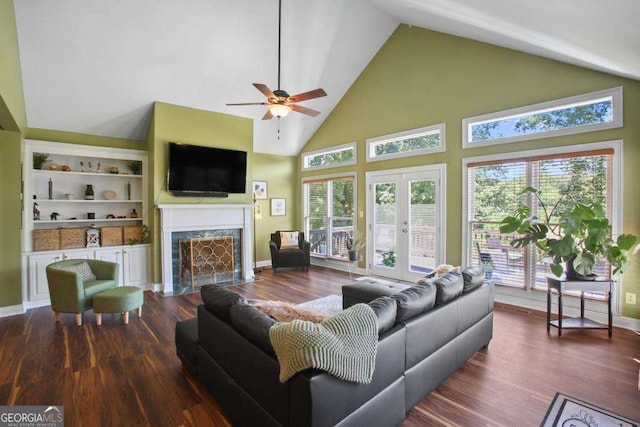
x=70 y=293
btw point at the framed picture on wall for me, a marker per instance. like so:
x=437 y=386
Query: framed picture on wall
x=278 y=207
x=260 y=190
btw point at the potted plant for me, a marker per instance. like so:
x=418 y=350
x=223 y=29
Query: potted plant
x=135 y=167
x=39 y=159
x=579 y=237
x=354 y=243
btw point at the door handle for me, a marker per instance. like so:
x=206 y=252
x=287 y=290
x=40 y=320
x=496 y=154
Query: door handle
x=404 y=230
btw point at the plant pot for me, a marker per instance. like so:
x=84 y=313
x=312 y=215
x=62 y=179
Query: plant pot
x=571 y=273
x=353 y=256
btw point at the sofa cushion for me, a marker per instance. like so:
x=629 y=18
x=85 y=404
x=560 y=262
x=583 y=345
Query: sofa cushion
x=473 y=278
x=83 y=269
x=414 y=300
x=253 y=324
x=448 y=287
x=286 y=311
x=219 y=300
x=385 y=309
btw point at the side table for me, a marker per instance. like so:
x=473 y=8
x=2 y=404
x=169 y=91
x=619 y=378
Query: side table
x=561 y=285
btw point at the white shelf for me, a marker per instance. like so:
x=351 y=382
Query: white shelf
x=56 y=221
x=57 y=172
x=41 y=201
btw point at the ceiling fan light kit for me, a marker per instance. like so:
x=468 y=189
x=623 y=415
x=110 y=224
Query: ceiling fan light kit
x=279 y=103
x=279 y=110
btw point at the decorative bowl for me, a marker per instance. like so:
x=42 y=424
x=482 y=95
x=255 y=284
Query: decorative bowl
x=110 y=195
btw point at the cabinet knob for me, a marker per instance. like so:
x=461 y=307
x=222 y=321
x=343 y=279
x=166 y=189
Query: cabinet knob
x=124 y=252
x=57 y=257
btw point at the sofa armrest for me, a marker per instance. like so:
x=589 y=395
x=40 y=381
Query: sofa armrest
x=273 y=247
x=319 y=399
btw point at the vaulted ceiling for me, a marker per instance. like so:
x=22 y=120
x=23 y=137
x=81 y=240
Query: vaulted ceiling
x=96 y=67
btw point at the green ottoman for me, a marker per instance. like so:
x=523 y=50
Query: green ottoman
x=118 y=300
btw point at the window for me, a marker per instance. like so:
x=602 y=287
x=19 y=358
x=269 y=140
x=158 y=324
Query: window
x=493 y=188
x=582 y=113
x=412 y=142
x=328 y=158
x=329 y=214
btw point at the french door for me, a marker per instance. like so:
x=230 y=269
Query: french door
x=405 y=222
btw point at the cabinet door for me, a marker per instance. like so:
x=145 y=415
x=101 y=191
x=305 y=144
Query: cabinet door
x=136 y=266
x=88 y=254
x=38 y=286
x=112 y=255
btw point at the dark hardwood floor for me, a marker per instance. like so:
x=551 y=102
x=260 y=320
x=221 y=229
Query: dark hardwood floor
x=130 y=375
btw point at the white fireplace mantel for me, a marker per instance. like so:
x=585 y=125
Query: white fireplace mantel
x=195 y=217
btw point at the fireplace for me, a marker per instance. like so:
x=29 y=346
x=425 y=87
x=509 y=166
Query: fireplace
x=221 y=235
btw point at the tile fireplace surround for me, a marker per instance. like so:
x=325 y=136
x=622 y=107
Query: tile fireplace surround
x=204 y=217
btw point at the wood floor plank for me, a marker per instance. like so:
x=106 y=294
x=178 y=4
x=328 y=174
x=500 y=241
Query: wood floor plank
x=130 y=375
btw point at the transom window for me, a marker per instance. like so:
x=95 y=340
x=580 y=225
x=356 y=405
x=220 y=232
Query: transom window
x=582 y=113
x=412 y=142
x=329 y=214
x=327 y=158
x=493 y=186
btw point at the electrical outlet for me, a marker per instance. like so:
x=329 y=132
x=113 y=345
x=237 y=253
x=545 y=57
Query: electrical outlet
x=631 y=298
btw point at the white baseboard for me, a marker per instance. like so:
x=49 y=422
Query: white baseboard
x=349 y=267
x=11 y=310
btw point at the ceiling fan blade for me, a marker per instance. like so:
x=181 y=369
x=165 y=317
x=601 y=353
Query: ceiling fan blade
x=316 y=93
x=267 y=115
x=304 y=110
x=265 y=90
x=250 y=103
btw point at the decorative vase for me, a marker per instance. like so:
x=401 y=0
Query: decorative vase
x=571 y=274
x=88 y=193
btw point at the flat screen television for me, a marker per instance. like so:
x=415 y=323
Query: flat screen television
x=205 y=171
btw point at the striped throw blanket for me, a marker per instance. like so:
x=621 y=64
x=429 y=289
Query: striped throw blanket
x=343 y=345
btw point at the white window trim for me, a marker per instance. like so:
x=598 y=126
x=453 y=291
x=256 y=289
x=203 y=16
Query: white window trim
x=616 y=201
x=614 y=93
x=412 y=133
x=343 y=147
x=305 y=207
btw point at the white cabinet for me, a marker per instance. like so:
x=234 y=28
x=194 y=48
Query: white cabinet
x=38 y=288
x=133 y=262
x=135 y=265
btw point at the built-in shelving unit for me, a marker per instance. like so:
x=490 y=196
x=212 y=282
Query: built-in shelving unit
x=119 y=199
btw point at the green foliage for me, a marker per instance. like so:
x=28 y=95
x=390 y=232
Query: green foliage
x=146 y=238
x=356 y=242
x=39 y=159
x=581 y=235
x=540 y=122
x=408 y=144
x=135 y=167
x=389 y=259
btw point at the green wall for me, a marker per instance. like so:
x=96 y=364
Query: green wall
x=279 y=172
x=13 y=121
x=422 y=78
x=12 y=110
x=10 y=226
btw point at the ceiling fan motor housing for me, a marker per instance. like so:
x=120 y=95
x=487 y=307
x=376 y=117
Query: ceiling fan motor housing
x=281 y=93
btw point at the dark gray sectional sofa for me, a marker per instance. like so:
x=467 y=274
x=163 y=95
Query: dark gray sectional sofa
x=420 y=345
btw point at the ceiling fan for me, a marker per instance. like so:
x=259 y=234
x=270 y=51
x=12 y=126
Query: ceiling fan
x=279 y=102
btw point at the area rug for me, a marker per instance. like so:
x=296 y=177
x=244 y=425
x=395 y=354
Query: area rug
x=567 y=411
x=329 y=305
